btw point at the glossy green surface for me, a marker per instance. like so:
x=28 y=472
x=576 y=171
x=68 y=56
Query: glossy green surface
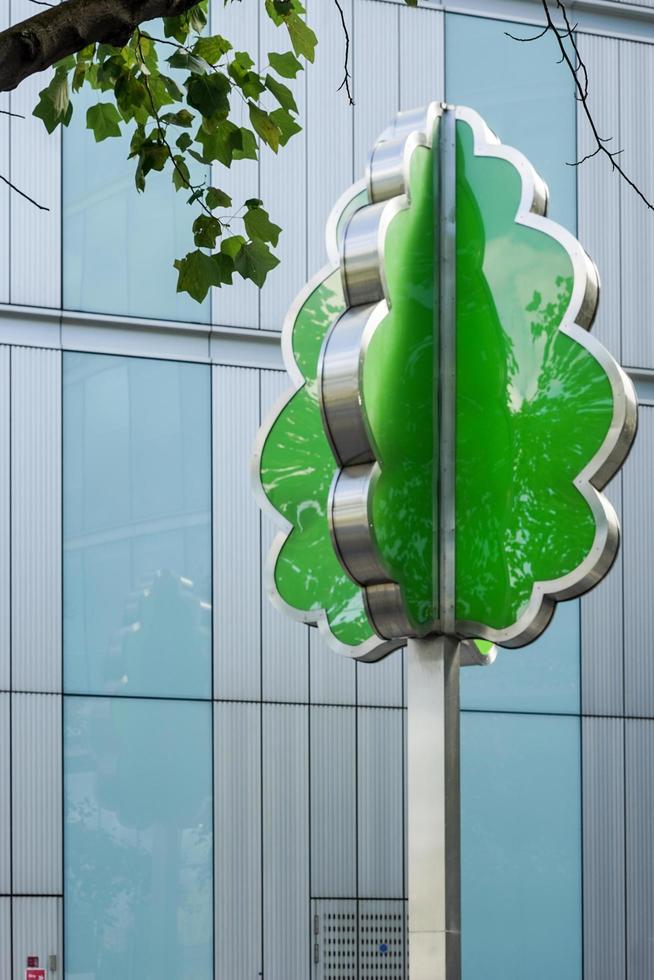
x=533 y=406
x=399 y=393
x=297 y=468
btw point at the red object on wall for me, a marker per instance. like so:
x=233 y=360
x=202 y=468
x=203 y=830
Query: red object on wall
x=34 y=974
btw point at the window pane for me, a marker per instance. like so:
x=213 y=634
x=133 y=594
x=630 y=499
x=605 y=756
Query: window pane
x=138 y=839
x=526 y=98
x=119 y=245
x=521 y=847
x=543 y=676
x=137 y=526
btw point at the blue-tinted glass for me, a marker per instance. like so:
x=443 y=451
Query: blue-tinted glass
x=138 y=839
x=119 y=245
x=521 y=847
x=543 y=676
x=526 y=98
x=137 y=526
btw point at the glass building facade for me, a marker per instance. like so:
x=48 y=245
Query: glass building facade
x=191 y=786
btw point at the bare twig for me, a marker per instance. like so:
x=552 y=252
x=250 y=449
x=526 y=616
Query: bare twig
x=579 y=74
x=346 y=77
x=13 y=187
x=14 y=115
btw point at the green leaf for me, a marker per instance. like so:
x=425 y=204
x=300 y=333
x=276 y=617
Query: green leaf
x=188 y=62
x=104 y=120
x=285 y=64
x=255 y=261
x=302 y=37
x=258 y=225
x=215 y=198
x=183 y=142
x=171 y=87
x=253 y=202
x=248 y=149
x=206 y=229
x=181 y=175
x=208 y=94
x=54 y=107
x=221 y=144
x=182 y=118
x=282 y=93
x=287 y=125
x=232 y=246
x=265 y=126
x=211 y=48
x=248 y=81
x=198 y=272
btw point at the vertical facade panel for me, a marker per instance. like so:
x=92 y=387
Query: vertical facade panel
x=284 y=193
x=381 y=683
x=37 y=931
x=329 y=119
x=237 y=305
x=639 y=796
x=237 y=794
x=5 y=105
x=638 y=546
x=36 y=519
x=36 y=169
x=603 y=847
x=380 y=803
x=5 y=796
x=5 y=532
x=285 y=807
x=636 y=77
x=332 y=676
x=376 y=83
x=236 y=522
x=333 y=802
x=284 y=642
x=598 y=188
x=36 y=794
x=5 y=937
x=422 y=38
x=602 y=688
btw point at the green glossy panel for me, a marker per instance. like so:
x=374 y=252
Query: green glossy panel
x=533 y=406
x=399 y=392
x=297 y=468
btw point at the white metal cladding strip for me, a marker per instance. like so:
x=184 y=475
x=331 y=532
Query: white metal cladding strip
x=603 y=847
x=637 y=550
x=332 y=678
x=328 y=125
x=36 y=169
x=333 y=801
x=237 y=795
x=285 y=807
x=381 y=683
x=598 y=188
x=37 y=931
x=5 y=797
x=637 y=241
x=5 y=937
x=380 y=830
x=602 y=687
x=236 y=579
x=36 y=794
x=36 y=519
x=284 y=642
x=334 y=934
x=639 y=796
x=376 y=83
x=422 y=56
x=237 y=305
x=5 y=532
x=382 y=922
x=284 y=193
x=5 y=104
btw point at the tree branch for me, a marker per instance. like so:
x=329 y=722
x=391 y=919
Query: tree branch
x=17 y=190
x=40 y=41
x=346 y=77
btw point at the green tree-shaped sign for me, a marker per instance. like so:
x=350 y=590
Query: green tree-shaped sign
x=438 y=465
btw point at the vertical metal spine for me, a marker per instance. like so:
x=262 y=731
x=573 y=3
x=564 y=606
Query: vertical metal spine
x=445 y=162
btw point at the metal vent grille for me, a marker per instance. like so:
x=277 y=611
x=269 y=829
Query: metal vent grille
x=335 y=940
x=381 y=940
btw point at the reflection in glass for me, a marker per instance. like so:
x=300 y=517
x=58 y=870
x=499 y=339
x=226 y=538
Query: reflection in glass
x=138 y=839
x=137 y=526
x=521 y=847
x=119 y=245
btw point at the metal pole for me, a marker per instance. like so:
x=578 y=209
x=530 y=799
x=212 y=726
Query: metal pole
x=434 y=809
